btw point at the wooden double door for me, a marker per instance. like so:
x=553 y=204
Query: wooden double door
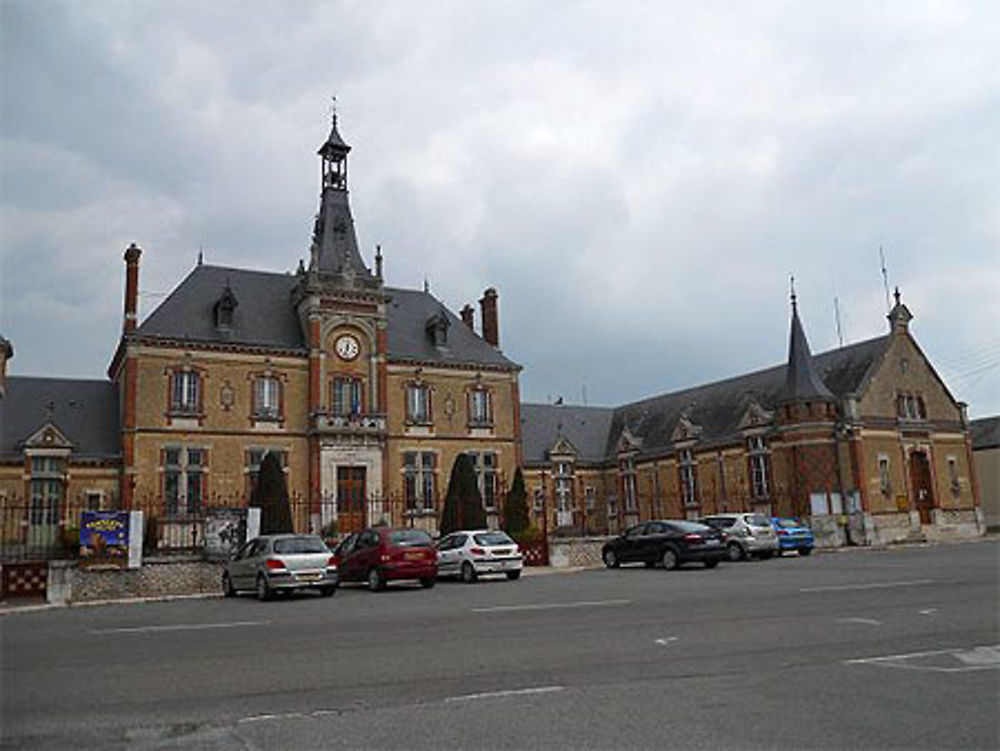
x=352 y=494
x=922 y=485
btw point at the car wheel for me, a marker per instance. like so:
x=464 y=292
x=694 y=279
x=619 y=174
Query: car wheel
x=711 y=564
x=327 y=591
x=610 y=558
x=227 y=585
x=805 y=551
x=735 y=551
x=376 y=581
x=468 y=573
x=263 y=589
x=512 y=575
x=765 y=555
x=670 y=559
x=428 y=582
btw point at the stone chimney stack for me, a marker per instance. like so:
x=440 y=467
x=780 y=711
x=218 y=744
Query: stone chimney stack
x=467 y=317
x=491 y=322
x=132 y=254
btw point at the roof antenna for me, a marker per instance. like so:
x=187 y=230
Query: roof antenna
x=836 y=313
x=885 y=279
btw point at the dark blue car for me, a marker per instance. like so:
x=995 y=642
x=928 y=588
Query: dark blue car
x=793 y=534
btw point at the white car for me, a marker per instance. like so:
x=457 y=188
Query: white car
x=470 y=553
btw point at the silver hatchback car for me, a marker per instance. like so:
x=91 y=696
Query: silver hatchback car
x=747 y=534
x=281 y=563
x=468 y=554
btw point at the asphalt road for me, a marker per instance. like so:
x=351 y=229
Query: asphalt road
x=866 y=649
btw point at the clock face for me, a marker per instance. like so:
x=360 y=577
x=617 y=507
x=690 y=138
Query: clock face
x=347 y=347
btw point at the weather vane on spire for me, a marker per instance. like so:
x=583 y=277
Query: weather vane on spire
x=791 y=282
x=333 y=108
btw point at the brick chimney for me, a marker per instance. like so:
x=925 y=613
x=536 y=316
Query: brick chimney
x=467 y=317
x=132 y=254
x=491 y=322
x=6 y=353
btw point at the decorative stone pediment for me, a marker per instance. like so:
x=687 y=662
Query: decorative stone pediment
x=628 y=442
x=685 y=430
x=48 y=437
x=562 y=447
x=755 y=416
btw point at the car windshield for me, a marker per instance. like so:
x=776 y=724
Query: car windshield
x=788 y=523
x=409 y=537
x=758 y=520
x=691 y=527
x=293 y=545
x=492 y=538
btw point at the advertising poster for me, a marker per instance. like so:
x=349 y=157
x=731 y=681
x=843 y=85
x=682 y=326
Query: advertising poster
x=225 y=532
x=104 y=538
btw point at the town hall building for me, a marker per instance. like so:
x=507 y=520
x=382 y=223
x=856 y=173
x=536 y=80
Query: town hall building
x=368 y=393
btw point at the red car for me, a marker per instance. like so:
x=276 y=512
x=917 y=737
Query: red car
x=383 y=554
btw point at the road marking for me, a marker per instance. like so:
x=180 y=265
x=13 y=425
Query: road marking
x=878 y=585
x=928 y=611
x=502 y=694
x=179 y=627
x=665 y=642
x=866 y=621
x=553 y=606
x=977 y=658
x=268 y=717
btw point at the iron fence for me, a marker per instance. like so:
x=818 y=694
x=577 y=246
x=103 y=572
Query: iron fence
x=47 y=529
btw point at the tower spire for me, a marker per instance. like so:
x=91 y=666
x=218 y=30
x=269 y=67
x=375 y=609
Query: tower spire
x=801 y=380
x=335 y=243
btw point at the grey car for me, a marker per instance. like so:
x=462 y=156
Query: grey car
x=281 y=563
x=747 y=534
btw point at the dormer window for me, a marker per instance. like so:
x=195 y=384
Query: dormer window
x=437 y=329
x=225 y=309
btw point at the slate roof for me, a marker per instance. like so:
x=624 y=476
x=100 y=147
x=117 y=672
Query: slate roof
x=985 y=433
x=86 y=412
x=715 y=407
x=585 y=427
x=802 y=382
x=265 y=317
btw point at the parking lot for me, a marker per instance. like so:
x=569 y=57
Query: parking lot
x=861 y=649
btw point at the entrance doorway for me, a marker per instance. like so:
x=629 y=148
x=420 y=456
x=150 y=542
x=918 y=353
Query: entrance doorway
x=351 y=493
x=920 y=481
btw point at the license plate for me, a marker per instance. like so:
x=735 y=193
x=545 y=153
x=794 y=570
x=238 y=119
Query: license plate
x=414 y=556
x=712 y=542
x=310 y=577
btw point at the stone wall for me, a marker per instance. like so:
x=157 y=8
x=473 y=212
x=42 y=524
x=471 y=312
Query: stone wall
x=579 y=551
x=68 y=583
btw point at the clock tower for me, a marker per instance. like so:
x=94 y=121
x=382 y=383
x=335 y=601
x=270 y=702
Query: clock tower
x=341 y=305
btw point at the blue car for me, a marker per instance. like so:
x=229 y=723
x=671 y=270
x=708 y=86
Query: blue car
x=793 y=534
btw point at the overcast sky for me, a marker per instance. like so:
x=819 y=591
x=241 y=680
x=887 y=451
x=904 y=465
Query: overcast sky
x=638 y=180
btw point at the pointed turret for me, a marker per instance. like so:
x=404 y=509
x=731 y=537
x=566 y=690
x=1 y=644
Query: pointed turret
x=335 y=243
x=802 y=383
x=900 y=315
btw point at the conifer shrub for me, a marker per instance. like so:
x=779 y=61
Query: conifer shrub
x=463 y=505
x=271 y=495
x=515 y=509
